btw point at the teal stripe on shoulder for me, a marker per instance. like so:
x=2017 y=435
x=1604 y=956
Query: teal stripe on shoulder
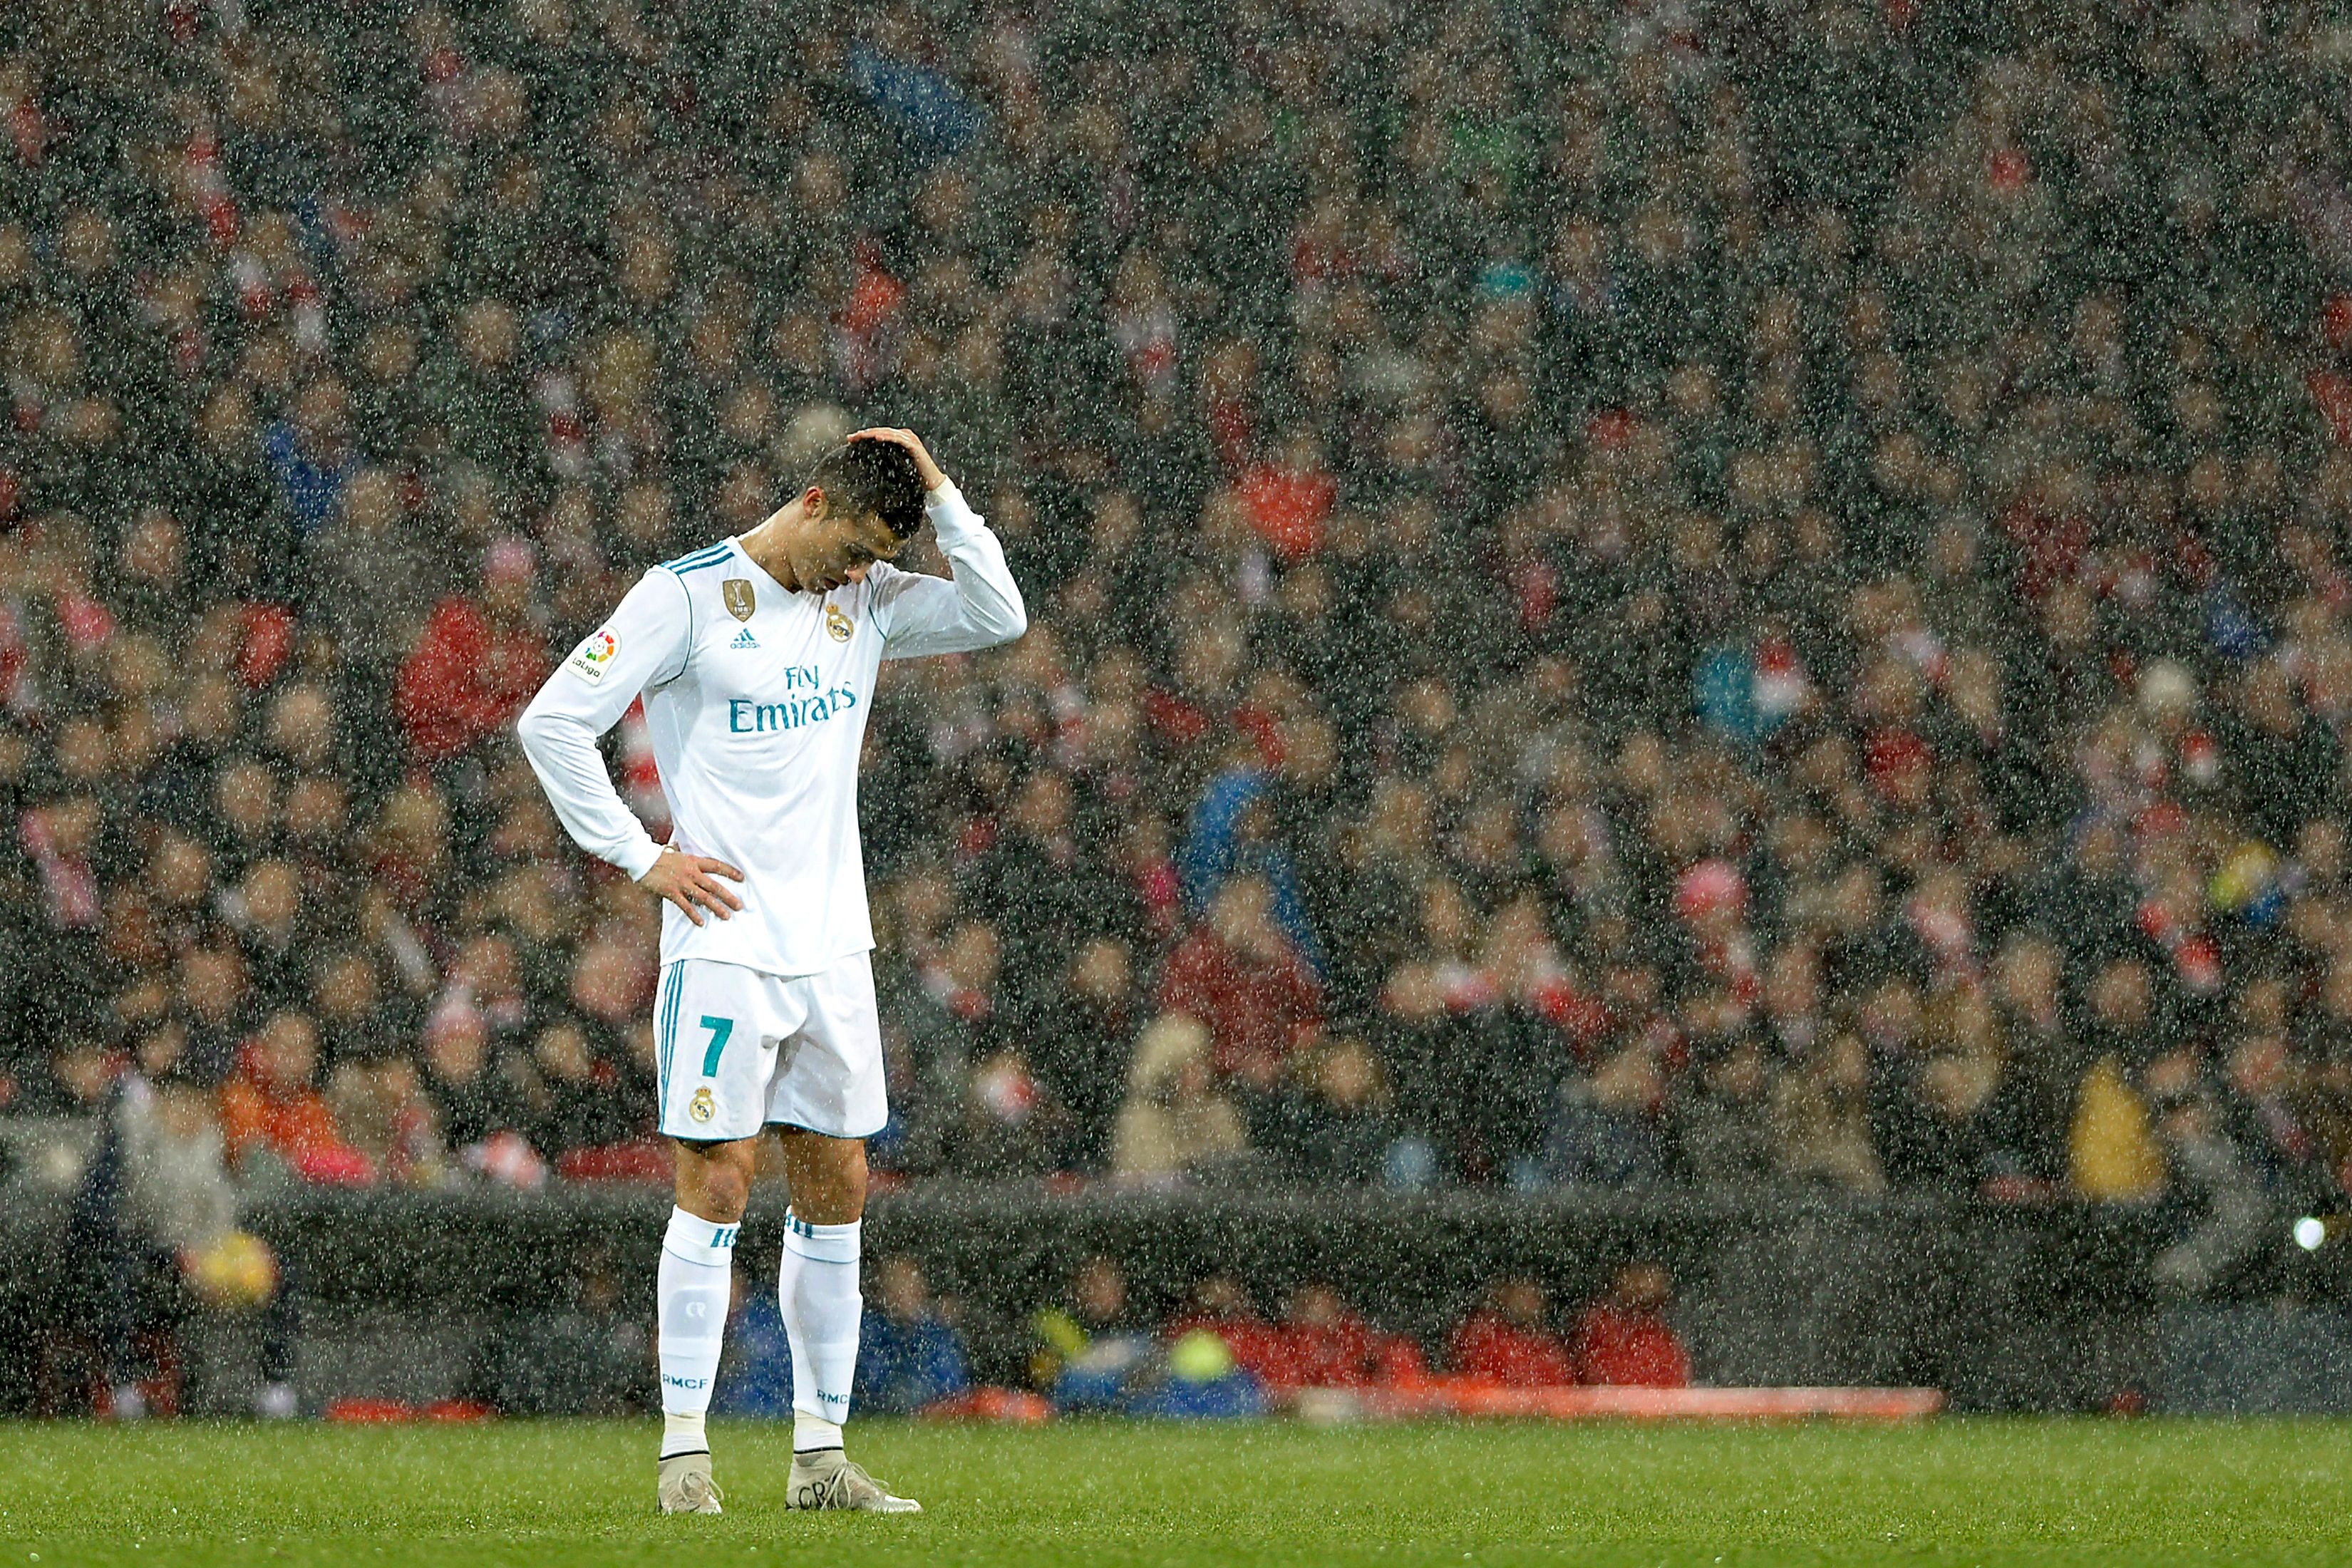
x=715 y=555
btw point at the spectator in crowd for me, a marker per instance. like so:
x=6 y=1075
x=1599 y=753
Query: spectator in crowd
x=1220 y=1305
x=2033 y=1098
x=1237 y=972
x=355 y=1015
x=1323 y=1342
x=479 y=661
x=272 y=1108
x=214 y=1002
x=2220 y=1214
x=1042 y=885
x=1085 y=1041
x=1175 y=1121
x=1092 y=1351
x=475 y=1098
x=910 y=1354
x=380 y=1109
x=1013 y=1125
x=1336 y=1125
x=1623 y=1338
x=157 y=1238
x=1724 y=1115
x=1820 y=1113
x=755 y=1373
x=568 y=1103
x=1509 y=1340
x=1606 y=1128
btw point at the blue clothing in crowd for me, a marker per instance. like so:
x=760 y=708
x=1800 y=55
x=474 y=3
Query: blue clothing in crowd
x=313 y=490
x=902 y=1367
x=1213 y=851
x=756 y=1378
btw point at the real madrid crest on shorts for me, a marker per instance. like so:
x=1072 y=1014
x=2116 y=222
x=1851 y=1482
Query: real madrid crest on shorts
x=836 y=625
x=701 y=1107
x=737 y=592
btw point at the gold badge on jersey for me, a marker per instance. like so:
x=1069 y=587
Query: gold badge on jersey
x=701 y=1107
x=836 y=624
x=737 y=592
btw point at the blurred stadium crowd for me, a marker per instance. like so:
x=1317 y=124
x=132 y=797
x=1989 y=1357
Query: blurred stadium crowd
x=1616 y=598
x=1092 y=1347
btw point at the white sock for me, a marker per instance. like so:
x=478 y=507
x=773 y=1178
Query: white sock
x=817 y=1289
x=683 y=1435
x=698 y=1265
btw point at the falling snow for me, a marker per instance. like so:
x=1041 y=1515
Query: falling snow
x=1647 y=600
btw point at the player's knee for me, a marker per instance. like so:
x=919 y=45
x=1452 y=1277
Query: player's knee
x=729 y=1196
x=836 y=1200
x=827 y=1177
x=715 y=1190
x=720 y=1200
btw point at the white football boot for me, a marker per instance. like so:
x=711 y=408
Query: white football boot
x=826 y=1478
x=686 y=1486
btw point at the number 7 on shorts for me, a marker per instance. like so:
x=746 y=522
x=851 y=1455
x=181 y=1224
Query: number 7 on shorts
x=719 y=1030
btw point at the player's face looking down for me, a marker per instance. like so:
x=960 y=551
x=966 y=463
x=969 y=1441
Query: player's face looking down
x=832 y=549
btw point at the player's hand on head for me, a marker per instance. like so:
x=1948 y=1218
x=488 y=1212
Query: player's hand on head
x=932 y=478
x=688 y=880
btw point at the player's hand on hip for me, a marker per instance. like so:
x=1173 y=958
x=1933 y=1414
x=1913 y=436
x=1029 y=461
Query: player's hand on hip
x=688 y=880
x=932 y=478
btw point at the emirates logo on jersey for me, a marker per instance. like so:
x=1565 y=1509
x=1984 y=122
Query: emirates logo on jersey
x=837 y=626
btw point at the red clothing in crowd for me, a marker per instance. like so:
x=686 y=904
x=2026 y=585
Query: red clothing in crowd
x=1490 y=1346
x=1257 y=1011
x=1347 y=1353
x=1287 y=507
x=1250 y=1338
x=295 y=1124
x=1634 y=1350
x=464 y=679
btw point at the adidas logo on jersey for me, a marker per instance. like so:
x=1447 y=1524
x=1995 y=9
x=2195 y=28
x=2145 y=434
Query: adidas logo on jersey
x=744 y=640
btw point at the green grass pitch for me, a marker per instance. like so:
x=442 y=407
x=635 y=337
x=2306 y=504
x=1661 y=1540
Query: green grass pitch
x=1973 y=1492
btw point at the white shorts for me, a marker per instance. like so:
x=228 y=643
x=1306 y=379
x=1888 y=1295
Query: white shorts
x=737 y=1049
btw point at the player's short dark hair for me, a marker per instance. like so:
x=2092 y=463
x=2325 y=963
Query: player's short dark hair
x=876 y=478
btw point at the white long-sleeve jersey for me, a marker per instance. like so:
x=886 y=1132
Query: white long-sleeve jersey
x=756 y=702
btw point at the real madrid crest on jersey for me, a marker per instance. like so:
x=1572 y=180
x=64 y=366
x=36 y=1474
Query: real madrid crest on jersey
x=737 y=592
x=702 y=1106
x=837 y=626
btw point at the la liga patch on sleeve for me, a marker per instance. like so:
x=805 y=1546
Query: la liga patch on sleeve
x=594 y=657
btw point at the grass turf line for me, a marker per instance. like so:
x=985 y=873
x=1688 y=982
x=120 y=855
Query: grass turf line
x=1976 y=1492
